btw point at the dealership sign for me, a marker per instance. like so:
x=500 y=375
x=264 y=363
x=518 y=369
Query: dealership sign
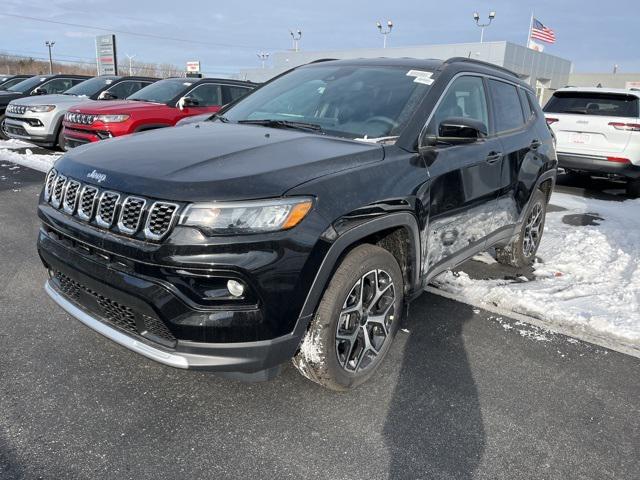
x=106 y=55
x=193 y=67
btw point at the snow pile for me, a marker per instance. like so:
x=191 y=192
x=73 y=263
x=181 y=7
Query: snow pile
x=587 y=277
x=28 y=158
x=13 y=143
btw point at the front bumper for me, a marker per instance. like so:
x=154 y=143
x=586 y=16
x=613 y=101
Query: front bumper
x=124 y=308
x=23 y=129
x=597 y=165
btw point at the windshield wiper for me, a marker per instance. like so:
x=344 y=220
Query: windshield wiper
x=309 y=127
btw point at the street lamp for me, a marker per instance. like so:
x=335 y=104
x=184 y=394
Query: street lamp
x=296 y=38
x=385 y=32
x=476 y=17
x=130 y=57
x=50 y=45
x=263 y=56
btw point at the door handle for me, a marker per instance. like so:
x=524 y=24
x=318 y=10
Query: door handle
x=535 y=144
x=493 y=157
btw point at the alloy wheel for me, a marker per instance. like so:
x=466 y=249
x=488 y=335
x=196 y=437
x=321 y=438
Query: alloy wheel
x=365 y=321
x=532 y=230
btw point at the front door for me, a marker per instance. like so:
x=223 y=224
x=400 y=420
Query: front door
x=465 y=180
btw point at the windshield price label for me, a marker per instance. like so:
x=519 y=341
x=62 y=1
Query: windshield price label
x=421 y=76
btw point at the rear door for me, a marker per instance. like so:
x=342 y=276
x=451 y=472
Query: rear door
x=465 y=179
x=591 y=123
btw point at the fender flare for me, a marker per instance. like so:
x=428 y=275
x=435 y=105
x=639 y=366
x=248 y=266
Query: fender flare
x=151 y=126
x=347 y=239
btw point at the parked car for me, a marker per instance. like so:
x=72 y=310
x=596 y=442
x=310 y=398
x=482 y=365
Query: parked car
x=299 y=222
x=39 y=119
x=38 y=85
x=598 y=132
x=7 y=81
x=159 y=105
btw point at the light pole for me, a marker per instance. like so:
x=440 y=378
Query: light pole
x=476 y=17
x=130 y=57
x=263 y=56
x=50 y=45
x=385 y=32
x=296 y=38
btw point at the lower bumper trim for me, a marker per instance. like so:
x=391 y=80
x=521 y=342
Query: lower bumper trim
x=171 y=359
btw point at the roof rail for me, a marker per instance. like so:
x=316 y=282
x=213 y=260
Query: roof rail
x=481 y=63
x=323 y=60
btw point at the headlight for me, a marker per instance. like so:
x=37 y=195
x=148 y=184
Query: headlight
x=247 y=217
x=40 y=108
x=112 y=118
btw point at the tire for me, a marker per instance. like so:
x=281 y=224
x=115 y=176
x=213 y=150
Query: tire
x=61 y=140
x=633 y=187
x=324 y=356
x=522 y=249
x=2 y=135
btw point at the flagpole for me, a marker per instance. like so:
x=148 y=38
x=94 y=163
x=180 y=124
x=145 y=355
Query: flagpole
x=529 y=33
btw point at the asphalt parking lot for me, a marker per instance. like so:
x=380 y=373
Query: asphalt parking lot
x=463 y=395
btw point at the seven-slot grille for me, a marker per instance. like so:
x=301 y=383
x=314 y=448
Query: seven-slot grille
x=109 y=209
x=19 y=109
x=81 y=118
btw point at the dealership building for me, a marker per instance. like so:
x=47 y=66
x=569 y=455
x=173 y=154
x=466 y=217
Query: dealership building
x=544 y=72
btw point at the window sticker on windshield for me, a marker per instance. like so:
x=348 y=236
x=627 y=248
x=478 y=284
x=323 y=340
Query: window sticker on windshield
x=421 y=76
x=108 y=82
x=187 y=84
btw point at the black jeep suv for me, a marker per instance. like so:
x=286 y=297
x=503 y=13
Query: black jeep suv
x=301 y=220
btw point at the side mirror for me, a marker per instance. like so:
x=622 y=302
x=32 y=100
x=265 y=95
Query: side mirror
x=107 y=96
x=185 y=102
x=457 y=131
x=38 y=91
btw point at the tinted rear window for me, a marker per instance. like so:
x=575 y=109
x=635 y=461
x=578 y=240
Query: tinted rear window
x=508 y=110
x=593 y=103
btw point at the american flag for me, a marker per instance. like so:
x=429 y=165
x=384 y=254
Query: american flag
x=540 y=32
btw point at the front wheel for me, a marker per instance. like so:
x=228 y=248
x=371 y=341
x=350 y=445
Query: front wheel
x=522 y=249
x=2 y=134
x=356 y=321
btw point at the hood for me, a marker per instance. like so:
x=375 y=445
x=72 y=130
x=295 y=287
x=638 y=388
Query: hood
x=115 y=106
x=215 y=161
x=57 y=99
x=6 y=97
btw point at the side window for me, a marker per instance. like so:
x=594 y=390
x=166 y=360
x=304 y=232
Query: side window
x=233 y=93
x=508 y=110
x=58 y=85
x=207 y=95
x=124 y=89
x=465 y=98
x=527 y=107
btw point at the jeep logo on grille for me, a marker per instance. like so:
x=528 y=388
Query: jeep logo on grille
x=97 y=176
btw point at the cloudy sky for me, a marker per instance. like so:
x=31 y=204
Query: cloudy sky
x=227 y=35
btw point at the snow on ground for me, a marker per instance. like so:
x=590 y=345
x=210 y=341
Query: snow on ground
x=586 y=277
x=21 y=153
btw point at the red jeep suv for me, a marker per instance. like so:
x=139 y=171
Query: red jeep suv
x=159 y=105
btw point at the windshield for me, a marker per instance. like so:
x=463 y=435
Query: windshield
x=593 y=103
x=162 y=91
x=90 y=87
x=26 y=85
x=11 y=83
x=347 y=101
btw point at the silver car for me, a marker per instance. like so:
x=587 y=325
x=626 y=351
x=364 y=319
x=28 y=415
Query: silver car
x=38 y=119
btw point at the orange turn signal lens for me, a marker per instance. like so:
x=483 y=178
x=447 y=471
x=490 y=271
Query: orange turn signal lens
x=298 y=212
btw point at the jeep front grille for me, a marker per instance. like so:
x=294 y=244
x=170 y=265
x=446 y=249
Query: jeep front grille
x=130 y=214
x=160 y=219
x=109 y=209
x=81 y=118
x=87 y=202
x=71 y=197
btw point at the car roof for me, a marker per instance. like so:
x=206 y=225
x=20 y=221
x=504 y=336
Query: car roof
x=431 y=64
x=624 y=91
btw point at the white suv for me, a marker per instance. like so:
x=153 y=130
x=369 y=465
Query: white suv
x=598 y=132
